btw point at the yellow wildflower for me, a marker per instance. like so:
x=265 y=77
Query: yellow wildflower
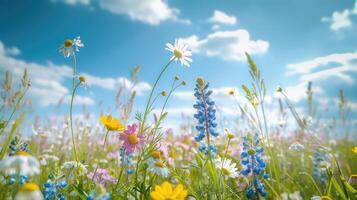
x=166 y=191
x=111 y=123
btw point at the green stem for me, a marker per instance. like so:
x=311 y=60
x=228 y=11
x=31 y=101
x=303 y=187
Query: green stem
x=71 y=120
x=14 y=110
x=151 y=93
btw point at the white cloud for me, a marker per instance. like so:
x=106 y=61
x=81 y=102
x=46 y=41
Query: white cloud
x=115 y=84
x=74 y=2
x=341 y=19
x=229 y=45
x=48 y=80
x=297 y=92
x=342 y=67
x=219 y=17
x=147 y=11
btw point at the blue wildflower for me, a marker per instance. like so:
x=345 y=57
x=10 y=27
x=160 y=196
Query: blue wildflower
x=203 y=149
x=99 y=194
x=17 y=145
x=126 y=160
x=206 y=112
x=22 y=179
x=52 y=189
x=320 y=161
x=254 y=164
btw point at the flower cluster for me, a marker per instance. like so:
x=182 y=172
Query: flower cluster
x=22 y=179
x=206 y=112
x=157 y=165
x=126 y=161
x=320 y=161
x=99 y=194
x=17 y=145
x=52 y=188
x=253 y=165
x=102 y=176
x=203 y=149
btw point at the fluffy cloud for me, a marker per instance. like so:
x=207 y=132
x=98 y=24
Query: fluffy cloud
x=74 y=2
x=148 y=11
x=48 y=80
x=114 y=84
x=297 y=92
x=340 y=20
x=219 y=17
x=334 y=65
x=229 y=45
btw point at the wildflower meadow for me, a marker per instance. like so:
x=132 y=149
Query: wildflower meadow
x=138 y=159
x=262 y=144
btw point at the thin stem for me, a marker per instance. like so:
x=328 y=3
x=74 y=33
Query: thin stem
x=96 y=168
x=71 y=120
x=141 y=128
x=14 y=110
x=151 y=93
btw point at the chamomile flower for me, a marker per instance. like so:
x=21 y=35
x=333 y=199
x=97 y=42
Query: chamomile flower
x=158 y=167
x=21 y=163
x=180 y=52
x=166 y=191
x=227 y=167
x=30 y=191
x=69 y=46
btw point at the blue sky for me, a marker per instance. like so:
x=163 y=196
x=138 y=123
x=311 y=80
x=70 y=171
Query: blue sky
x=292 y=42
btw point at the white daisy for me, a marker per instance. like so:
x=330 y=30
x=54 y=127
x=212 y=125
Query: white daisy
x=180 y=52
x=296 y=146
x=158 y=167
x=69 y=46
x=30 y=191
x=21 y=163
x=228 y=167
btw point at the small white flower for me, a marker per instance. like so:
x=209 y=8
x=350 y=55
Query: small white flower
x=30 y=191
x=21 y=163
x=69 y=46
x=73 y=164
x=180 y=52
x=158 y=167
x=228 y=167
x=296 y=146
x=45 y=158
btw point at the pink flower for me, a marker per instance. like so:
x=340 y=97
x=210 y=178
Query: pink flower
x=102 y=176
x=131 y=139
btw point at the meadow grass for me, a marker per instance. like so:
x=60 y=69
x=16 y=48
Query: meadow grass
x=131 y=156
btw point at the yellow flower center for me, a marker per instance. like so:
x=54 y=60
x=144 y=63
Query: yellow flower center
x=68 y=43
x=82 y=79
x=156 y=154
x=29 y=187
x=226 y=171
x=159 y=164
x=178 y=53
x=22 y=153
x=133 y=139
